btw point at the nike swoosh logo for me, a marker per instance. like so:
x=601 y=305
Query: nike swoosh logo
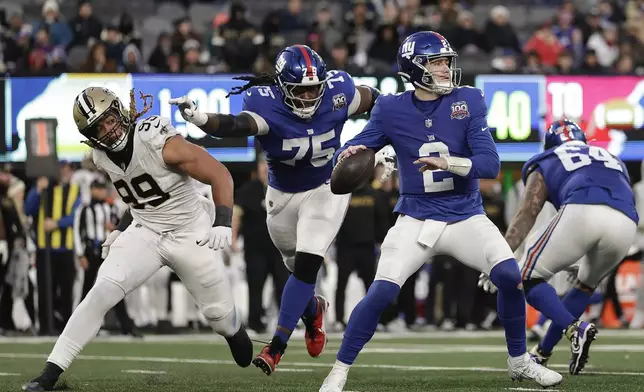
x=484 y=129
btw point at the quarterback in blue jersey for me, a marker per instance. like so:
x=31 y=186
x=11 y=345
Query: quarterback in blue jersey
x=596 y=218
x=297 y=116
x=443 y=128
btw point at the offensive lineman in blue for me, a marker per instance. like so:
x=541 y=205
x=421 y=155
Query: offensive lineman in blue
x=596 y=218
x=443 y=127
x=297 y=116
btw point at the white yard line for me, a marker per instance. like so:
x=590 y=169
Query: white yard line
x=332 y=336
x=143 y=371
x=291 y=364
x=8 y=374
x=533 y=389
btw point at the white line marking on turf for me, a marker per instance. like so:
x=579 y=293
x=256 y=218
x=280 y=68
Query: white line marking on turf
x=8 y=374
x=294 y=364
x=141 y=371
x=532 y=389
x=293 y=370
x=212 y=337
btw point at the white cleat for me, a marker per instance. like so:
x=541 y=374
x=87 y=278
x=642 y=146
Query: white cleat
x=335 y=381
x=525 y=368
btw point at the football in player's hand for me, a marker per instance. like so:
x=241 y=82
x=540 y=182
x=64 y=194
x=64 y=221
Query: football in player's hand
x=353 y=172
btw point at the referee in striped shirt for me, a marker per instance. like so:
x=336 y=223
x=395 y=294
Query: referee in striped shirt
x=92 y=224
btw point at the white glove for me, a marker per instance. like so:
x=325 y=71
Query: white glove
x=486 y=284
x=4 y=252
x=218 y=237
x=387 y=157
x=189 y=111
x=105 y=248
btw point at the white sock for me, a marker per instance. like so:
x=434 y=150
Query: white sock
x=341 y=366
x=518 y=360
x=85 y=322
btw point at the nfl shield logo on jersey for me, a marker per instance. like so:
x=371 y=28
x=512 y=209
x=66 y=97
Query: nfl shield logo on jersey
x=459 y=110
x=339 y=101
x=428 y=123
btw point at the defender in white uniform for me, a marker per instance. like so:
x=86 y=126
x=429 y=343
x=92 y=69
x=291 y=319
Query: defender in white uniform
x=151 y=167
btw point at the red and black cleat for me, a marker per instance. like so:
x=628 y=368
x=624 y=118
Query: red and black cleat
x=269 y=357
x=315 y=335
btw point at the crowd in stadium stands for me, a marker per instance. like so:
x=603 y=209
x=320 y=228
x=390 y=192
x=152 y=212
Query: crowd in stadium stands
x=359 y=36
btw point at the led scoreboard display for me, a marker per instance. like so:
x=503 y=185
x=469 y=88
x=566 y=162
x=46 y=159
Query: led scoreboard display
x=609 y=108
x=516 y=107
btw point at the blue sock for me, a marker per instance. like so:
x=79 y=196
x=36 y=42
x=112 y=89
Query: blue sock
x=544 y=298
x=596 y=298
x=311 y=308
x=364 y=319
x=511 y=305
x=542 y=319
x=576 y=301
x=295 y=298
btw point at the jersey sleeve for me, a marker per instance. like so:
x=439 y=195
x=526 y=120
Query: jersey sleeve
x=340 y=82
x=253 y=104
x=485 y=158
x=531 y=166
x=96 y=160
x=154 y=132
x=373 y=135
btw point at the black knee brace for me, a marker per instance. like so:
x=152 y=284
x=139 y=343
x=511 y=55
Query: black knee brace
x=530 y=283
x=307 y=266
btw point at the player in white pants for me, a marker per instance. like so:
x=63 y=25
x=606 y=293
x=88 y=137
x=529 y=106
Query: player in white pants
x=151 y=166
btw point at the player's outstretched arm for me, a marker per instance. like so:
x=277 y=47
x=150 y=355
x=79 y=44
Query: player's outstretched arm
x=372 y=136
x=221 y=125
x=484 y=159
x=198 y=164
x=366 y=99
x=534 y=198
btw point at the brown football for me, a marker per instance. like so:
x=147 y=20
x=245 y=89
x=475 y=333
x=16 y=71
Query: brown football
x=353 y=172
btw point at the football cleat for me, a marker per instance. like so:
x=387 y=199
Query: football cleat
x=539 y=356
x=270 y=356
x=46 y=380
x=335 y=381
x=315 y=336
x=241 y=347
x=525 y=368
x=581 y=336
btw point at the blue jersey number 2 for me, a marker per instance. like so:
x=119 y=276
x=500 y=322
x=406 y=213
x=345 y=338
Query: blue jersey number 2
x=319 y=157
x=431 y=185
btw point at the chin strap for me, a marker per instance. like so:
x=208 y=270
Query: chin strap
x=459 y=166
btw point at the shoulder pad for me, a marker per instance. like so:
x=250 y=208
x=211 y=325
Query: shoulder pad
x=471 y=91
x=155 y=131
x=258 y=97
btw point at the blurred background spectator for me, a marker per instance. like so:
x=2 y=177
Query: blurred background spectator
x=192 y=36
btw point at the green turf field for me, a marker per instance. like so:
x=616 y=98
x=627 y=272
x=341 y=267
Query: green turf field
x=415 y=362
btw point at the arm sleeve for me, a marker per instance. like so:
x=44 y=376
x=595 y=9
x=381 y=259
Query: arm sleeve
x=68 y=220
x=79 y=232
x=372 y=136
x=485 y=158
x=249 y=106
x=32 y=202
